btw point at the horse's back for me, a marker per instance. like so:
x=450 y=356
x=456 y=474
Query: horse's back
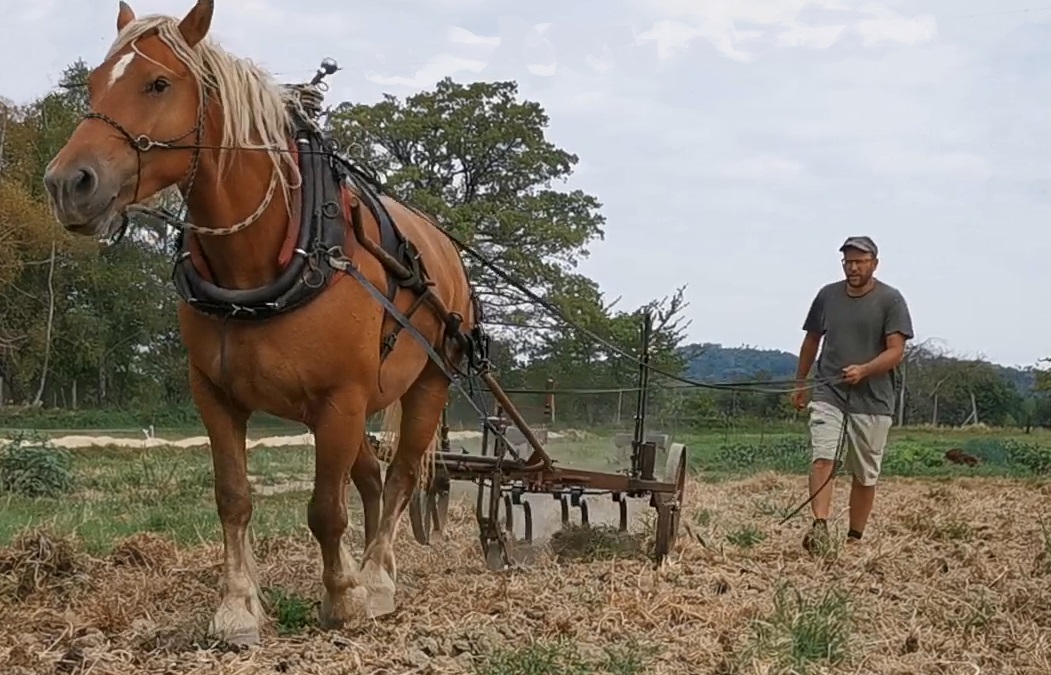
x=441 y=258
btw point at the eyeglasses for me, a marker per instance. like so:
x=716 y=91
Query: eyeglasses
x=860 y=263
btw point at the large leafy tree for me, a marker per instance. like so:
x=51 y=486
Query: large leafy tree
x=476 y=157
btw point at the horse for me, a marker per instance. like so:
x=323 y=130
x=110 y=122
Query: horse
x=279 y=272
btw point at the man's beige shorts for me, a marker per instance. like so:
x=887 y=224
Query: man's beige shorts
x=864 y=445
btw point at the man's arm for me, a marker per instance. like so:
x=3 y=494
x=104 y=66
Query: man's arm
x=814 y=326
x=897 y=328
x=807 y=354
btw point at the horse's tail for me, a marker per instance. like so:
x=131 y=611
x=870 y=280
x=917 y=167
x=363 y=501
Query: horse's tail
x=390 y=432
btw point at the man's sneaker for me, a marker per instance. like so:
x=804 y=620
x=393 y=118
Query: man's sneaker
x=817 y=539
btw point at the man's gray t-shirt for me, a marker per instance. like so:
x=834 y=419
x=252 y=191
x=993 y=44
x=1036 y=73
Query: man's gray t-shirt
x=854 y=330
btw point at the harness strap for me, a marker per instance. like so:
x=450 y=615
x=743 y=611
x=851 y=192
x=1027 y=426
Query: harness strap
x=347 y=266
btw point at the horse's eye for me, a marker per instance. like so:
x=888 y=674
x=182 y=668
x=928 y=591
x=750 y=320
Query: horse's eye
x=159 y=86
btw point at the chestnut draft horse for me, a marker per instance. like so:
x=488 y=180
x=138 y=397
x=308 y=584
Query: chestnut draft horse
x=269 y=317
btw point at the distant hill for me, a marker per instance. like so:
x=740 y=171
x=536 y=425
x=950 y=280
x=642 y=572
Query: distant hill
x=712 y=362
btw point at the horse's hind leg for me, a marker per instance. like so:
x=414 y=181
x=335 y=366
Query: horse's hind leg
x=368 y=480
x=421 y=413
x=335 y=423
x=237 y=619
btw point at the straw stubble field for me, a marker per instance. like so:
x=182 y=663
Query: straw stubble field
x=121 y=576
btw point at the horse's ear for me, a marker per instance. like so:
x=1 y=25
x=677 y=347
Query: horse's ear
x=195 y=24
x=125 y=15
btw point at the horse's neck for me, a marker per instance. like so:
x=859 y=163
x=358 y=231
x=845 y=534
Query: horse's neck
x=248 y=258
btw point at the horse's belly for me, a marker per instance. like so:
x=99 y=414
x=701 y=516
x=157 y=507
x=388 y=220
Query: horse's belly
x=282 y=366
x=265 y=376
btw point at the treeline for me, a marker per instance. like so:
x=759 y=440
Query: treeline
x=88 y=334
x=937 y=385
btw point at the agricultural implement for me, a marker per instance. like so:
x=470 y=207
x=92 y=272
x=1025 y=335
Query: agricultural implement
x=503 y=477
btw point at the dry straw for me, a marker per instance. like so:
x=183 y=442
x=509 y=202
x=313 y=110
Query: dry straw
x=949 y=580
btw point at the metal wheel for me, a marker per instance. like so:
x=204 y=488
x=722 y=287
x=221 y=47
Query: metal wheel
x=509 y=514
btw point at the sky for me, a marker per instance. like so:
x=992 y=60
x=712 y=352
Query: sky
x=733 y=144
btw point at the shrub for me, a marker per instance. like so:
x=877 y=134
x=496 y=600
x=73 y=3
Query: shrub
x=31 y=466
x=1011 y=453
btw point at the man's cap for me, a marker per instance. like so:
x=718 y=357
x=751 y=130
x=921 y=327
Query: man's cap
x=862 y=244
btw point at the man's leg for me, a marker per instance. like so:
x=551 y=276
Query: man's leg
x=868 y=434
x=826 y=425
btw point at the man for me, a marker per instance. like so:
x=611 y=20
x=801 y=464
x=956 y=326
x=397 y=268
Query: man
x=864 y=323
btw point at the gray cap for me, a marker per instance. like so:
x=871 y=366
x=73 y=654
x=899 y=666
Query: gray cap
x=862 y=244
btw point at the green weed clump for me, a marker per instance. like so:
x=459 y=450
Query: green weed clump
x=292 y=613
x=31 y=466
x=803 y=633
x=563 y=657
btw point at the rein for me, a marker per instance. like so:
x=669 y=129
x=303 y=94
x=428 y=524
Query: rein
x=837 y=460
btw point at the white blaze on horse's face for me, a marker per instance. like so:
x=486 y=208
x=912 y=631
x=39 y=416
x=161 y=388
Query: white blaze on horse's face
x=120 y=67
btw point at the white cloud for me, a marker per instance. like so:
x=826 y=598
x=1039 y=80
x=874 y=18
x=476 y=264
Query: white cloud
x=886 y=25
x=893 y=158
x=763 y=167
x=669 y=37
x=435 y=69
x=720 y=21
x=245 y=17
x=768 y=12
x=599 y=64
x=465 y=37
x=540 y=51
x=38 y=10
x=811 y=37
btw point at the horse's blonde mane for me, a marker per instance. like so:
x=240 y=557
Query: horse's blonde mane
x=255 y=107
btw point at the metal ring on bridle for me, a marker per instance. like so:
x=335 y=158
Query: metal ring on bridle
x=143 y=143
x=330 y=209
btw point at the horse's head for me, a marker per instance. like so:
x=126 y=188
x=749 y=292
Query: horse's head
x=146 y=94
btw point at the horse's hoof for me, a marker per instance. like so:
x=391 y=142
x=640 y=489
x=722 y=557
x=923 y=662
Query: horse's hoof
x=332 y=618
x=381 y=603
x=237 y=629
x=380 y=588
x=243 y=639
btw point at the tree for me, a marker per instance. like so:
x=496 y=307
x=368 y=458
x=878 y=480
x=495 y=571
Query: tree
x=476 y=157
x=1043 y=377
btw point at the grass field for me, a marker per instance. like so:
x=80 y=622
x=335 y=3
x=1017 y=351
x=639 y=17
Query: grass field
x=119 y=571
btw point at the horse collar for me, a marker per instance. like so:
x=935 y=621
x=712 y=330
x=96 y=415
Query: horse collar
x=322 y=228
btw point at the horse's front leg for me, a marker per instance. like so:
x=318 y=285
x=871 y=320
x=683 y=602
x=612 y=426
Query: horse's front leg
x=339 y=427
x=238 y=618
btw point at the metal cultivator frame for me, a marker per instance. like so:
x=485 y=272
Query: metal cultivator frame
x=506 y=476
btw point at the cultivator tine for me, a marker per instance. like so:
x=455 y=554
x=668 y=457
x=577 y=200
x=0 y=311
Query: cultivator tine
x=622 y=502
x=527 y=510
